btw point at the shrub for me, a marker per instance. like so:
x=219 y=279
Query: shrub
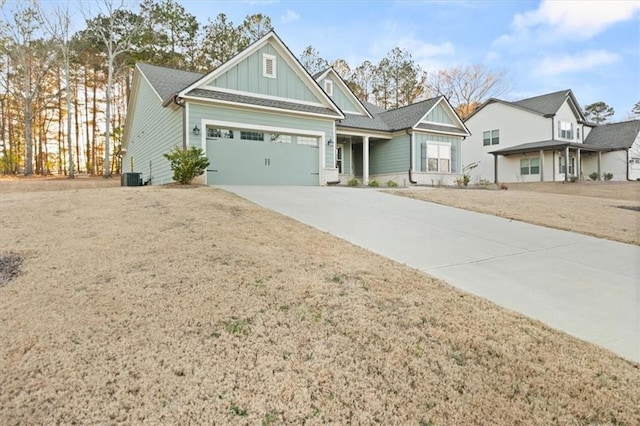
x=353 y=182
x=392 y=184
x=484 y=183
x=187 y=163
x=573 y=178
x=593 y=176
x=374 y=183
x=607 y=176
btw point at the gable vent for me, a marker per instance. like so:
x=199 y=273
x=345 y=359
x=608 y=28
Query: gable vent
x=269 y=66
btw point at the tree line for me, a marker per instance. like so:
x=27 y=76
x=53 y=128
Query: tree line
x=64 y=93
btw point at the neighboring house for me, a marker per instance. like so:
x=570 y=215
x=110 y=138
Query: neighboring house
x=261 y=118
x=622 y=141
x=543 y=139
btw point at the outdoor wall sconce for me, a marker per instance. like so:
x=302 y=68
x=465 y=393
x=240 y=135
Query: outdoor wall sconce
x=196 y=130
x=330 y=142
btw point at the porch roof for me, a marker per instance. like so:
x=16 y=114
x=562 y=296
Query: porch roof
x=545 y=146
x=363 y=122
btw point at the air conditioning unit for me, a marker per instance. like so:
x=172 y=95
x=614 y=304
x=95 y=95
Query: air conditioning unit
x=131 y=179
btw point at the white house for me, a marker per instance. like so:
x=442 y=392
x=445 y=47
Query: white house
x=544 y=139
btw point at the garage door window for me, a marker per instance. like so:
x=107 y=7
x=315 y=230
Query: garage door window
x=251 y=136
x=219 y=133
x=307 y=140
x=281 y=138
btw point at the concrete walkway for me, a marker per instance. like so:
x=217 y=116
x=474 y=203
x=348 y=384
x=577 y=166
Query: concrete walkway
x=585 y=286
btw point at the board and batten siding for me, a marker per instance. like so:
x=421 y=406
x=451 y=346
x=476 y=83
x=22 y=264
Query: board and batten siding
x=455 y=142
x=344 y=102
x=389 y=156
x=247 y=76
x=154 y=131
x=439 y=115
x=199 y=112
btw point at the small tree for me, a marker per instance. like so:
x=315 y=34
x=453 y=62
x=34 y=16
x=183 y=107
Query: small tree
x=187 y=163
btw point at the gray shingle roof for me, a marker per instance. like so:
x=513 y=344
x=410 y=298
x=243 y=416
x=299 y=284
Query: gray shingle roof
x=167 y=81
x=407 y=116
x=250 y=100
x=544 y=104
x=372 y=108
x=549 y=144
x=364 y=122
x=437 y=128
x=614 y=135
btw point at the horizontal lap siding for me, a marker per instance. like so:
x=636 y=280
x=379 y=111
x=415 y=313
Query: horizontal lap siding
x=199 y=112
x=154 y=131
x=389 y=156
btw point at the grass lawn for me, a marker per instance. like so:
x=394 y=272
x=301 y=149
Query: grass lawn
x=191 y=305
x=608 y=210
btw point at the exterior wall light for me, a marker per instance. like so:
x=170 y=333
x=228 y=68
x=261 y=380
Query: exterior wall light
x=196 y=130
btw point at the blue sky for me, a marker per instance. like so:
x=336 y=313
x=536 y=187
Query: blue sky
x=591 y=47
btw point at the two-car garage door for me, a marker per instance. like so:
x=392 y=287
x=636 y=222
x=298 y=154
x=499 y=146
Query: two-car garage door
x=249 y=157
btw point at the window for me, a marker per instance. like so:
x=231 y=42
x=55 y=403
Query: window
x=307 y=140
x=219 y=133
x=578 y=133
x=435 y=157
x=251 y=136
x=565 y=130
x=491 y=137
x=281 y=138
x=530 y=166
x=268 y=66
x=561 y=163
x=328 y=87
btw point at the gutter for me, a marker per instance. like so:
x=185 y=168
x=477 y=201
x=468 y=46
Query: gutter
x=411 y=157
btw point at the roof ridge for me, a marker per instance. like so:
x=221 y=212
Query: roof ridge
x=167 y=68
x=413 y=104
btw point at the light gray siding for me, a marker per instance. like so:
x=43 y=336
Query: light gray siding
x=344 y=102
x=247 y=76
x=154 y=131
x=389 y=156
x=439 y=115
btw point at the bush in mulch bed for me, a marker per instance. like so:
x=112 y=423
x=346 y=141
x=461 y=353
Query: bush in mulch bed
x=9 y=267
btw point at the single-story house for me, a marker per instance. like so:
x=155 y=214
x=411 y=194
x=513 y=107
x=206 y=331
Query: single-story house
x=261 y=118
x=546 y=138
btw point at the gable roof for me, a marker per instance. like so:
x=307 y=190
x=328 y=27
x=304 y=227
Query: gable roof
x=167 y=81
x=545 y=105
x=270 y=38
x=343 y=85
x=408 y=116
x=614 y=135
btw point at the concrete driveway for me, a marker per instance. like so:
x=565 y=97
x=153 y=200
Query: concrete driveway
x=585 y=286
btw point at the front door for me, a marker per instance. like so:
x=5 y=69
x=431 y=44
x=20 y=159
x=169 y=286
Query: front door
x=339 y=154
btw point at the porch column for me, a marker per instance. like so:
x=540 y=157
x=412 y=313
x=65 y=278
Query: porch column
x=495 y=168
x=599 y=163
x=566 y=164
x=365 y=160
x=541 y=166
x=579 y=165
x=553 y=166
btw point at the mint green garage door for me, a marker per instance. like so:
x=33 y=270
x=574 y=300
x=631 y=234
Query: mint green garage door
x=253 y=158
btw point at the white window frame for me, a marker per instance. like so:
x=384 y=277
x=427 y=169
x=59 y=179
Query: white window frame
x=529 y=166
x=328 y=87
x=265 y=69
x=565 y=130
x=440 y=147
x=307 y=140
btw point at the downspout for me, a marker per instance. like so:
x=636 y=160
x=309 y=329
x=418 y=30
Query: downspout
x=411 y=157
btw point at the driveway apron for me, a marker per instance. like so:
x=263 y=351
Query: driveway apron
x=585 y=286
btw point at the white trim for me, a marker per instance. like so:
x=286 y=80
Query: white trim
x=439 y=124
x=261 y=96
x=328 y=86
x=357 y=132
x=452 y=112
x=186 y=126
x=440 y=132
x=251 y=106
x=355 y=113
x=345 y=89
x=265 y=60
x=246 y=126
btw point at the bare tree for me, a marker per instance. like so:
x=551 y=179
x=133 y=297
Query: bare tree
x=59 y=27
x=467 y=86
x=117 y=29
x=32 y=58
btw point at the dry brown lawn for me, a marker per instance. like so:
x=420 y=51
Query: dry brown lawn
x=608 y=210
x=174 y=305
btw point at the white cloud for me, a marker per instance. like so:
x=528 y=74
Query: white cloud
x=289 y=16
x=555 y=65
x=581 y=20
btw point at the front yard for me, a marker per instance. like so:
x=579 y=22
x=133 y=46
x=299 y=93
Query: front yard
x=191 y=305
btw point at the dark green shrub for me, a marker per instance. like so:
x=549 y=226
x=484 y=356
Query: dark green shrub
x=607 y=176
x=374 y=183
x=353 y=182
x=187 y=163
x=392 y=184
x=593 y=176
